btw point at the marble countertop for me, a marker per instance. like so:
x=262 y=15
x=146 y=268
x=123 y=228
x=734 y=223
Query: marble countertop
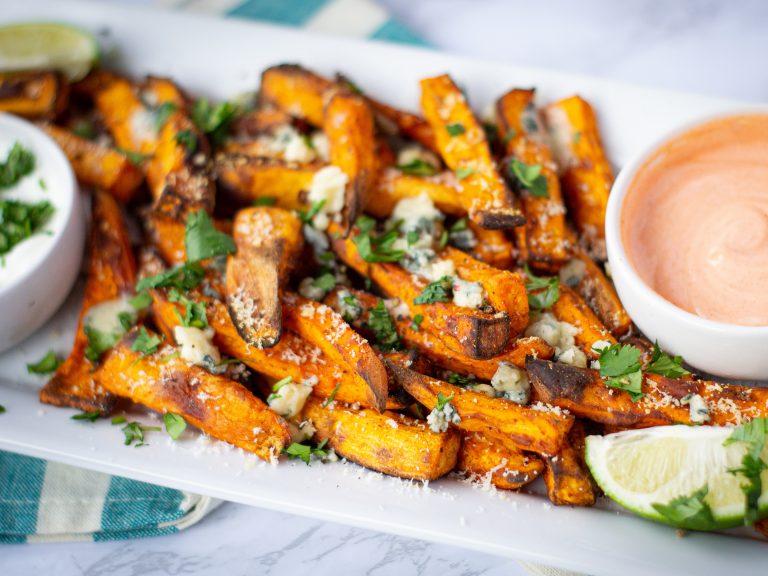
x=703 y=46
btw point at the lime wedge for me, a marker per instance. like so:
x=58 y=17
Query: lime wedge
x=47 y=46
x=677 y=475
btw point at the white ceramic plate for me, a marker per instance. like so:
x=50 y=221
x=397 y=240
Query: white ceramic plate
x=223 y=57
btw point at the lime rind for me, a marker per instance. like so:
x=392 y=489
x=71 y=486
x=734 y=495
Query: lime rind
x=48 y=46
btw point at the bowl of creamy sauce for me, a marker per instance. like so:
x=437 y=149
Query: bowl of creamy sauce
x=42 y=229
x=687 y=236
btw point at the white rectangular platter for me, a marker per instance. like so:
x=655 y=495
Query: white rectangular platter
x=220 y=58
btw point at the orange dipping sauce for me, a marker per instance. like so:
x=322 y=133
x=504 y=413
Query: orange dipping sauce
x=694 y=222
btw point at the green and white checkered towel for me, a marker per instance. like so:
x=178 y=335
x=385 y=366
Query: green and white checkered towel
x=44 y=501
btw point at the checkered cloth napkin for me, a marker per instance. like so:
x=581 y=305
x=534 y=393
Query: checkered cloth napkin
x=44 y=501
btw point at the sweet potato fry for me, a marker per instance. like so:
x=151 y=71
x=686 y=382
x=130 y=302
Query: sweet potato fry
x=492 y=247
x=475 y=333
x=220 y=407
x=392 y=186
x=348 y=124
x=256 y=122
x=179 y=174
x=96 y=81
x=127 y=119
x=295 y=90
x=588 y=280
x=566 y=476
x=98 y=166
x=269 y=242
x=243 y=179
x=389 y=442
x=33 y=94
x=488 y=460
x=537 y=430
x=111 y=274
x=521 y=130
x=430 y=346
x=167 y=236
x=572 y=309
x=291 y=356
x=322 y=326
x=584 y=393
x=585 y=171
x=487 y=199
x=410 y=125
x=505 y=290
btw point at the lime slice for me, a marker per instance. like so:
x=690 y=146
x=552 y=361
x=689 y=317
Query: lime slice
x=46 y=46
x=682 y=470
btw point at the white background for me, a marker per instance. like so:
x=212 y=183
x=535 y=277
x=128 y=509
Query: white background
x=715 y=48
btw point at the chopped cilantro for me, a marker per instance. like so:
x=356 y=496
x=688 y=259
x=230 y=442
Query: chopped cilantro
x=202 y=240
x=416 y=322
x=161 y=114
x=305 y=452
x=120 y=419
x=134 y=433
x=664 y=364
x=188 y=139
x=140 y=301
x=144 y=343
x=213 y=120
x=620 y=368
x=462 y=173
x=438 y=291
x=21 y=220
x=265 y=201
x=135 y=158
x=47 y=364
x=417 y=167
x=89 y=416
x=543 y=291
x=455 y=129
x=184 y=278
x=98 y=343
x=84 y=129
x=460 y=380
x=690 y=512
x=19 y=163
x=2 y=409
x=529 y=177
x=379 y=248
x=174 y=424
x=194 y=312
x=313 y=211
x=383 y=327
x=330 y=398
x=511 y=133
x=326 y=282
x=442 y=401
x=754 y=433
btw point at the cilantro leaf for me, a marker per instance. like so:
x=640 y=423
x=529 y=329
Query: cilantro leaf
x=305 y=452
x=438 y=291
x=184 y=277
x=330 y=398
x=2 y=409
x=134 y=433
x=213 y=120
x=140 y=301
x=202 y=240
x=98 y=343
x=265 y=201
x=144 y=343
x=19 y=163
x=754 y=434
x=416 y=322
x=620 y=368
x=462 y=173
x=417 y=167
x=542 y=291
x=456 y=129
x=690 y=512
x=528 y=177
x=383 y=327
x=174 y=424
x=89 y=416
x=194 y=312
x=664 y=364
x=161 y=114
x=135 y=158
x=188 y=139
x=374 y=248
x=460 y=380
x=442 y=401
x=21 y=220
x=326 y=282
x=84 y=129
x=314 y=210
x=47 y=364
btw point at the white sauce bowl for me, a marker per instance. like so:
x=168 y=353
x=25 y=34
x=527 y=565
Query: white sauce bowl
x=39 y=272
x=728 y=350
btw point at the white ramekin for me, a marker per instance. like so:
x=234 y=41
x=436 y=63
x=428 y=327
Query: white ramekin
x=29 y=299
x=729 y=350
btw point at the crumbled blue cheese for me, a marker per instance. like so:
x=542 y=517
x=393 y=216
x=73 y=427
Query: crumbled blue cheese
x=301 y=431
x=559 y=335
x=308 y=289
x=321 y=145
x=348 y=305
x=196 y=346
x=463 y=239
x=413 y=153
x=438 y=420
x=482 y=388
x=294 y=146
x=573 y=272
x=289 y=399
x=698 y=408
x=105 y=316
x=416 y=213
x=512 y=383
x=467 y=294
x=329 y=184
x=315 y=238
